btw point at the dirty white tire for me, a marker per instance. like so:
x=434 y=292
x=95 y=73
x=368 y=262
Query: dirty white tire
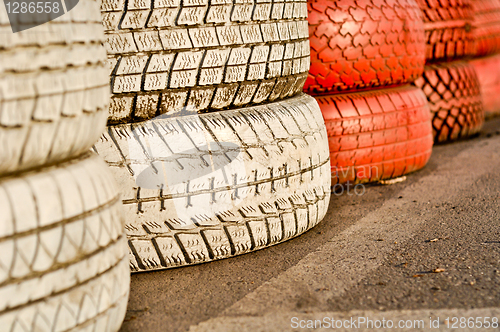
x=201 y=188
x=166 y=55
x=63 y=263
x=54 y=90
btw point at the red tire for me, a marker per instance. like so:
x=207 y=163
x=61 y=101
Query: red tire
x=452 y=90
x=448 y=28
x=486 y=26
x=488 y=74
x=364 y=44
x=376 y=135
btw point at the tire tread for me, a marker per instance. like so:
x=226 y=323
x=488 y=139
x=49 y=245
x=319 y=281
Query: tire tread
x=284 y=199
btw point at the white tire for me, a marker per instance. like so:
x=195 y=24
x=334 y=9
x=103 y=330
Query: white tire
x=209 y=186
x=167 y=55
x=63 y=263
x=54 y=90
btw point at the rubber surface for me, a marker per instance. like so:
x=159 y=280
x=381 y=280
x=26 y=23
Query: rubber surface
x=488 y=74
x=221 y=184
x=54 y=89
x=448 y=29
x=364 y=44
x=486 y=26
x=64 y=263
x=452 y=90
x=168 y=55
x=377 y=135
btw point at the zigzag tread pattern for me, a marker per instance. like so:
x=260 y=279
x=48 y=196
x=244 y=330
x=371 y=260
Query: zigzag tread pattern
x=364 y=44
x=53 y=89
x=377 y=135
x=453 y=92
x=276 y=185
x=62 y=234
x=448 y=29
x=205 y=68
x=242 y=234
x=98 y=305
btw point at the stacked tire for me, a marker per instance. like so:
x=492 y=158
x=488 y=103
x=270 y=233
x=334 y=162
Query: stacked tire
x=63 y=264
x=364 y=56
x=449 y=81
x=486 y=60
x=215 y=149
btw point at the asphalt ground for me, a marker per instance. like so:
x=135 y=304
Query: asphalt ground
x=411 y=251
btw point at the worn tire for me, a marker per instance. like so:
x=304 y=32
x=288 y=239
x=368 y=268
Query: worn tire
x=452 y=90
x=276 y=186
x=64 y=262
x=54 y=89
x=486 y=26
x=488 y=74
x=448 y=29
x=364 y=44
x=202 y=56
x=377 y=135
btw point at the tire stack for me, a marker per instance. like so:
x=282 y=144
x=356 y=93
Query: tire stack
x=364 y=55
x=450 y=82
x=63 y=262
x=486 y=60
x=215 y=149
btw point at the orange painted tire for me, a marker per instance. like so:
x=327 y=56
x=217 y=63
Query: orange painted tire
x=376 y=135
x=486 y=26
x=448 y=29
x=488 y=74
x=452 y=90
x=364 y=44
